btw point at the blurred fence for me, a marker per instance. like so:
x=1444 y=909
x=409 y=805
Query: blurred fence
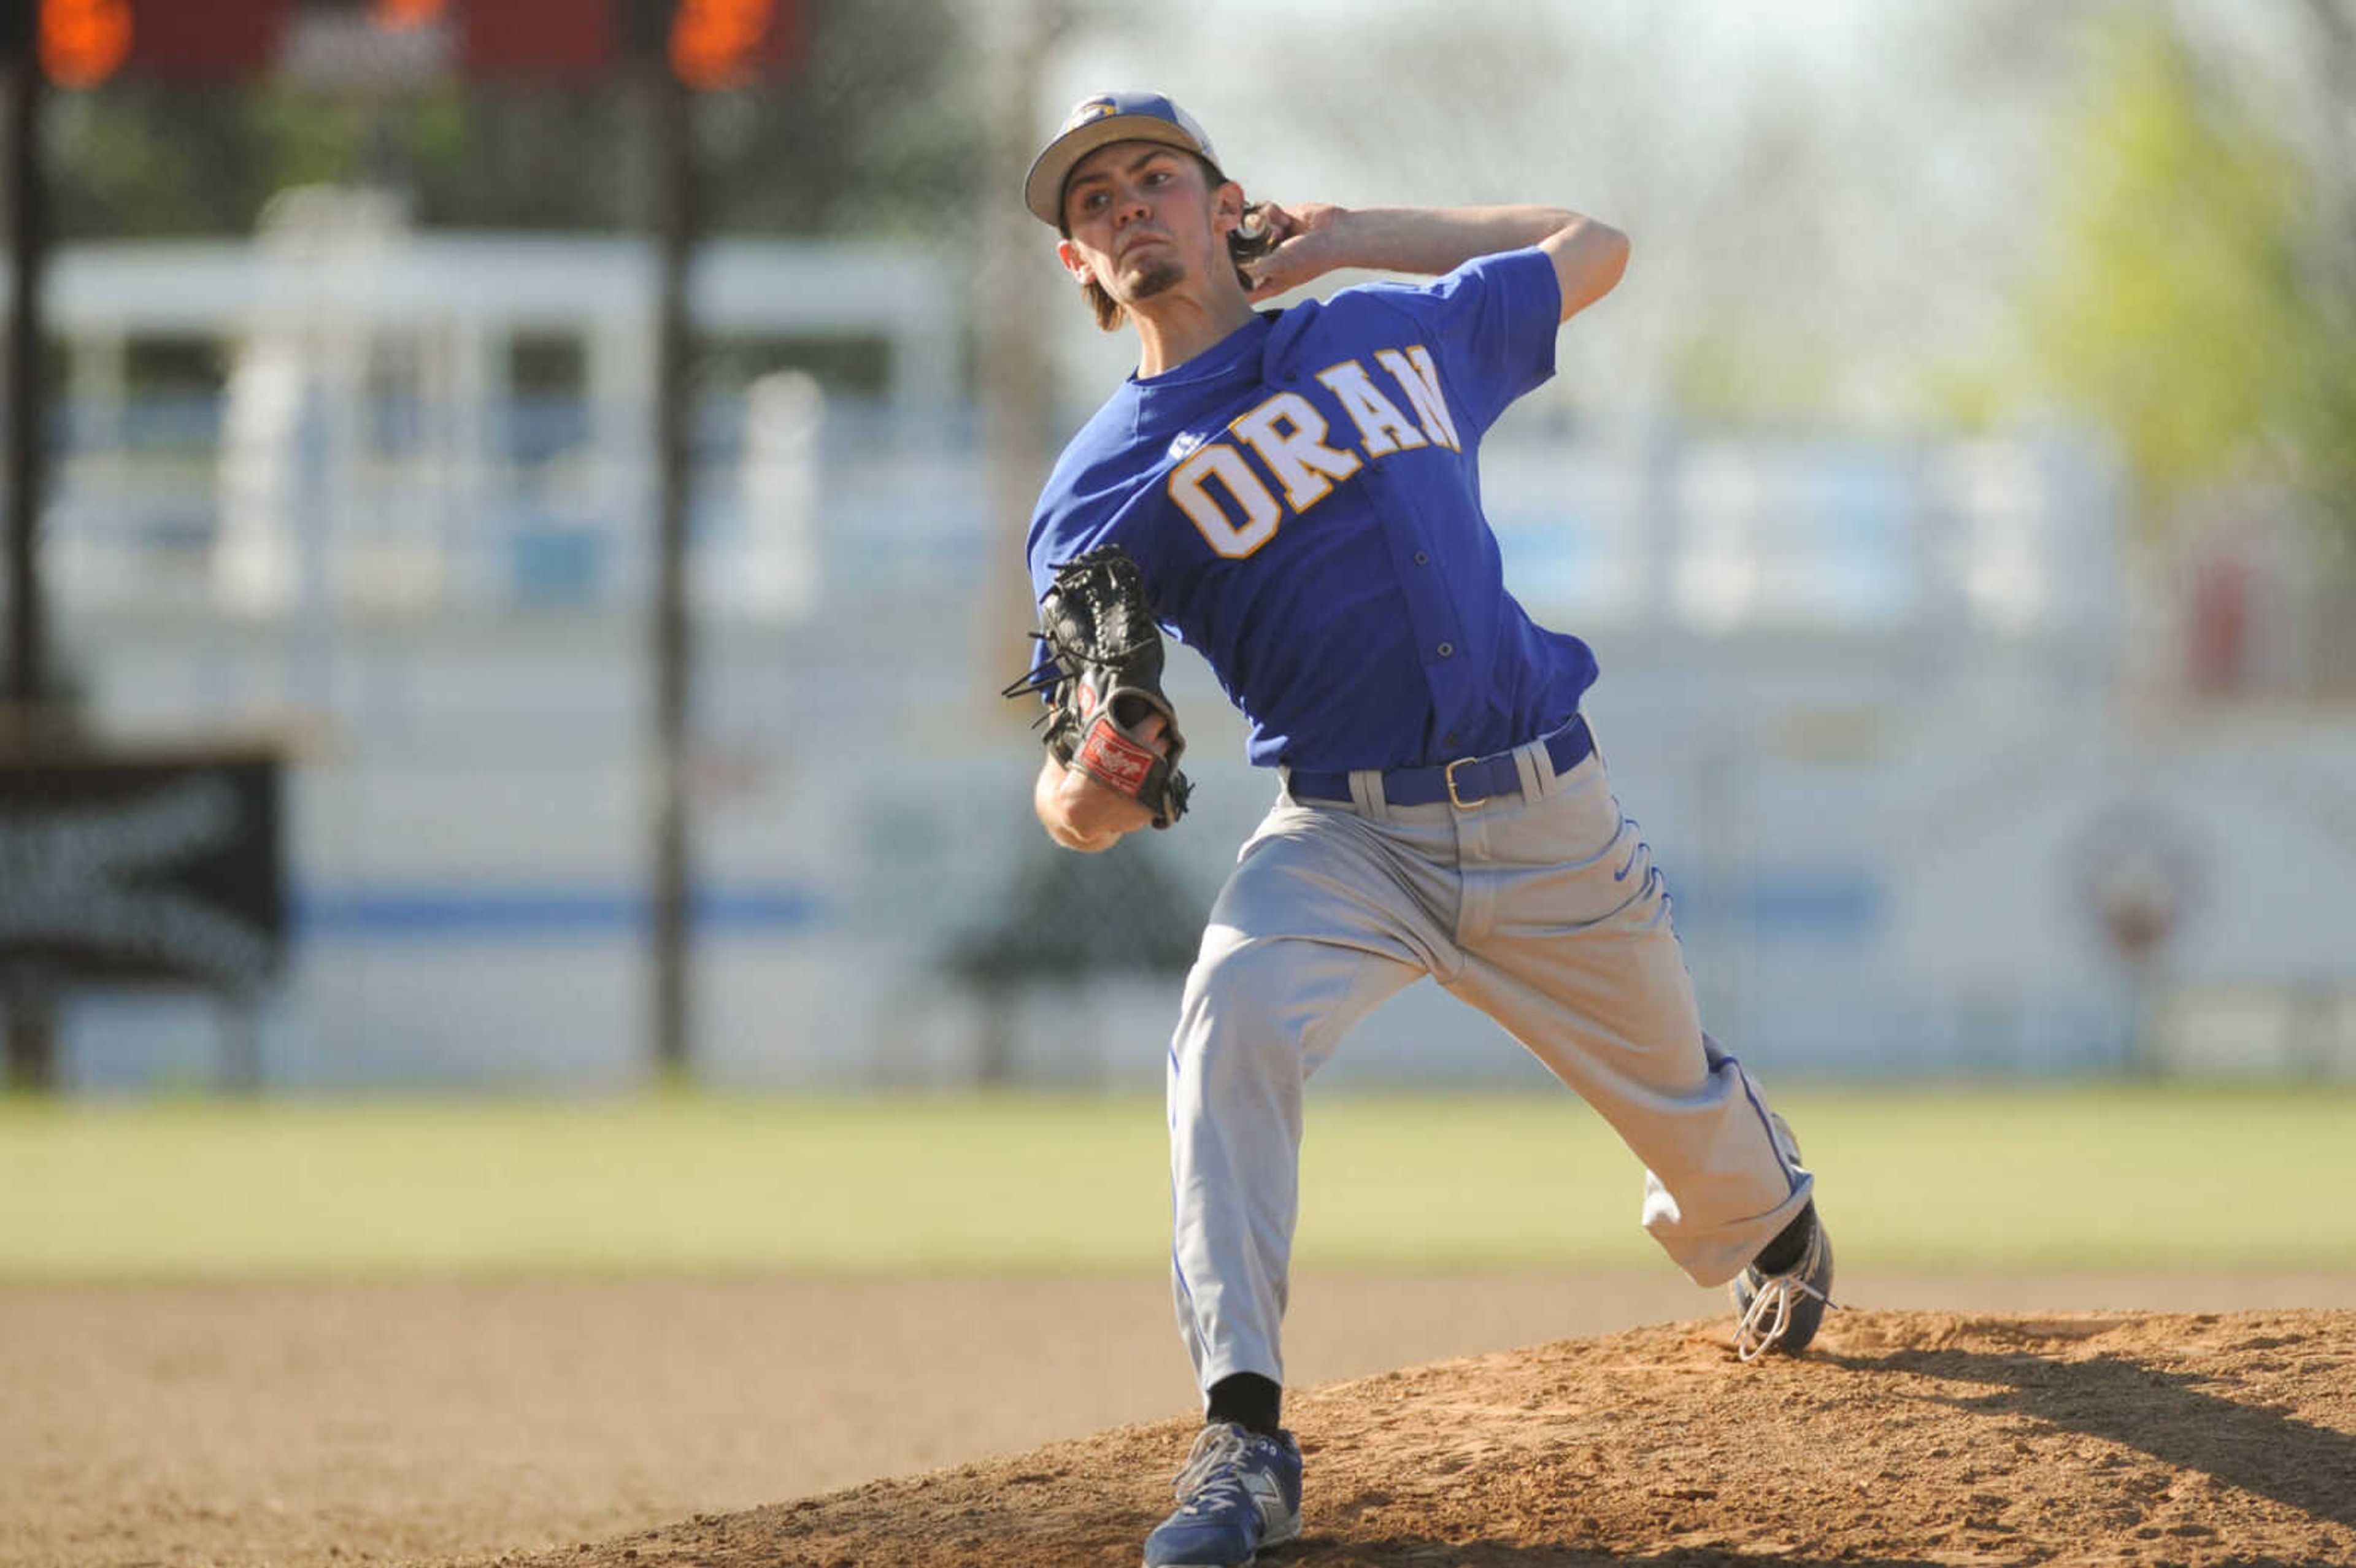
x=1862 y=693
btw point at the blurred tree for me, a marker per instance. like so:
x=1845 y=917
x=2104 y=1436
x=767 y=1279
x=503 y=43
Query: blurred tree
x=1819 y=210
x=877 y=131
x=881 y=131
x=2198 y=300
x=133 y=159
x=2324 y=422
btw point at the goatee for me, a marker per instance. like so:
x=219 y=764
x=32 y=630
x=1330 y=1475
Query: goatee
x=1155 y=277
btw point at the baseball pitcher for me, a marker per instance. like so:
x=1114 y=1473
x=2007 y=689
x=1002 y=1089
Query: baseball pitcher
x=1296 y=494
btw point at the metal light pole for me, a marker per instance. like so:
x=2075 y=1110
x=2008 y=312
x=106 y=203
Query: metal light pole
x=26 y=679
x=27 y=993
x=671 y=180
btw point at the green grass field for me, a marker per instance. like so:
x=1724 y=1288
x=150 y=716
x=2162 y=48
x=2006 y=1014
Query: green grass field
x=2096 y=1177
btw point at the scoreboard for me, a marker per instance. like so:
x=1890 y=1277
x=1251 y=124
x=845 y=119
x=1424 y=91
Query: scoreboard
x=397 y=43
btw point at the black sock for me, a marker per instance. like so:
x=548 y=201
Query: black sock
x=1783 y=1255
x=1249 y=1399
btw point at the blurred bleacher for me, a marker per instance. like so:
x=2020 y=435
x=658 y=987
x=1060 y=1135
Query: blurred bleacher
x=1879 y=702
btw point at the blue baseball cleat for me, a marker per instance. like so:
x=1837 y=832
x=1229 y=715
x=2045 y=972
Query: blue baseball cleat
x=1239 y=1491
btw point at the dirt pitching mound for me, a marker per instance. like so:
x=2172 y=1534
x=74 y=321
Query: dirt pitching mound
x=1904 y=1437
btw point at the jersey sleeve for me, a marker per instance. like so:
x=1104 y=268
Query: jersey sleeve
x=1069 y=520
x=1492 y=325
x=1049 y=545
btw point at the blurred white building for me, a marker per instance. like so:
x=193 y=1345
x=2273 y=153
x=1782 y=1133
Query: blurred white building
x=353 y=416
x=388 y=493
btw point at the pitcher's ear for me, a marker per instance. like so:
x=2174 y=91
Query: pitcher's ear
x=1227 y=207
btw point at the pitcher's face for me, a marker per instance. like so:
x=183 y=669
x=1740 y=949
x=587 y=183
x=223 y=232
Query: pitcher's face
x=1144 y=220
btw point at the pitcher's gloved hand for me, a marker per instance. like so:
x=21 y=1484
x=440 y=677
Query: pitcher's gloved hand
x=1101 y=669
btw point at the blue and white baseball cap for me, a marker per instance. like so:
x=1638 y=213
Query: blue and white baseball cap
x=1098 y=121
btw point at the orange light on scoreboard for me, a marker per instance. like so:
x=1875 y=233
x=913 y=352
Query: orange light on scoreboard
x=398 y=15
x=718 y=43
x=83 y=42
x=710 y=43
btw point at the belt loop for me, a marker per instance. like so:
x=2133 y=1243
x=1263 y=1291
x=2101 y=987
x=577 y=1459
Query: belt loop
x=1535 y=768
x=1591 y=753
x=1367 y=794
x=1547 y=770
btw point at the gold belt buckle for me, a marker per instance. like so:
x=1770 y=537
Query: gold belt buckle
x=1448 y=775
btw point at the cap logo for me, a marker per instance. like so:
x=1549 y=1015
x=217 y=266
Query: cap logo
x=1144 y=116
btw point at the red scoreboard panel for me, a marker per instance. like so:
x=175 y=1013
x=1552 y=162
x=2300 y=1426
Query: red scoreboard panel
x=539 y=38
x=712 y=43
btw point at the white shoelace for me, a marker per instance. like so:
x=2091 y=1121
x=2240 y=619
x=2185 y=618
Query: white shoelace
x=1754 y=1335
x=1218 y=1446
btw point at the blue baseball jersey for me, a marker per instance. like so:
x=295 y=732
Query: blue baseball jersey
x=1303 y=499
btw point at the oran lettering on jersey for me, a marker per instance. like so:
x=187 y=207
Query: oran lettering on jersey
x=1302 y=454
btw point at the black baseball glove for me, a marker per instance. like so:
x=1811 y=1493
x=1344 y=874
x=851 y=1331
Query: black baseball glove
x=1102 y=674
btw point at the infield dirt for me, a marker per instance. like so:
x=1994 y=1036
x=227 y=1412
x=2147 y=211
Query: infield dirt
x=329 y=1426
x=1903 y=1438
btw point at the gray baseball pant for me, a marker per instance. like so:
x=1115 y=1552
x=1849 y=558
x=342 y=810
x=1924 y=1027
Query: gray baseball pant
x=1544 y=910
